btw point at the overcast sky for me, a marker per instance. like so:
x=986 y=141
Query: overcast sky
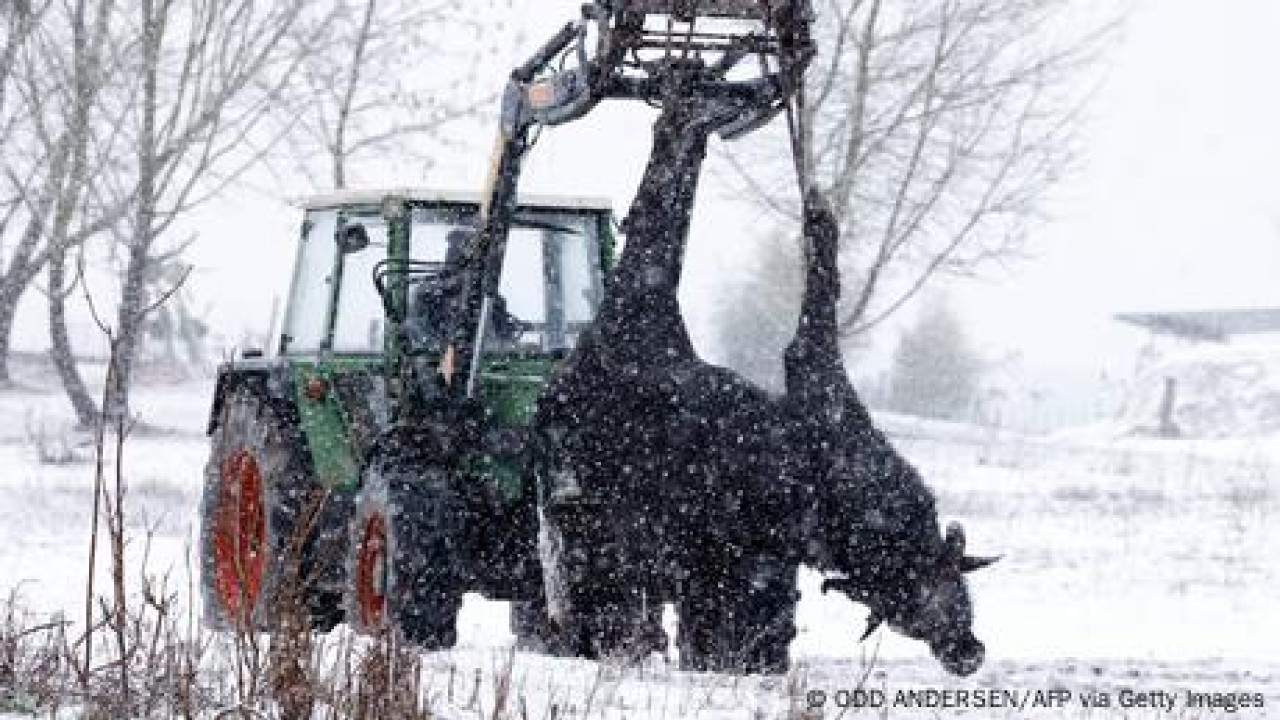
x=1175 y=204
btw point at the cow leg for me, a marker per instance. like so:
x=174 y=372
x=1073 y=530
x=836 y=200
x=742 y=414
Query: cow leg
x=639 y=320
x=813 y=364
x=737 y=613
x=605 y=418
x=894 y=553
x=852 y=462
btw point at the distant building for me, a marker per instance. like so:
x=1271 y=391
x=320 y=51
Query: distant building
x=1207 y=325
x=1218 y=390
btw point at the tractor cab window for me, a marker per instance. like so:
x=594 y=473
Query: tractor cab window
x=306 y=323
x=322 y=265
x=359 y=318
x=550 y=277
x=548 y=290
x=436 y=236
x=549 y=285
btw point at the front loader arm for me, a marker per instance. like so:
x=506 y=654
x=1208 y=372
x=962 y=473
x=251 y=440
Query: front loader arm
x=524 y=106
x=630 y=59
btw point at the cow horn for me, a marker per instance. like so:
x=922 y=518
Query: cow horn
x=969 y=563
x=873 y=622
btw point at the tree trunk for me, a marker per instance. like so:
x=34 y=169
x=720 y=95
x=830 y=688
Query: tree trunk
x=7 y=311
x=24 y=265
x=86 y=85
x=133 y=308
x=61 y=351
x=133 y=303
x=12 y=286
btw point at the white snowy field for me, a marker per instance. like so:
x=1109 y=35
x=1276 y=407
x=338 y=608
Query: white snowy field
x=1128 y=565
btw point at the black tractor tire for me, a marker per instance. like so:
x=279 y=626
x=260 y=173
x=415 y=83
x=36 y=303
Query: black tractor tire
x=738 y=619
x=406 y=571
x=270 y=532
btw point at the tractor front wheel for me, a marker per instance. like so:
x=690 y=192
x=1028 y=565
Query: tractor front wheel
x=405 y=571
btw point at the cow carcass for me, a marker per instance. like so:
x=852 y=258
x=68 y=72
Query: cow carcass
x=668 y=478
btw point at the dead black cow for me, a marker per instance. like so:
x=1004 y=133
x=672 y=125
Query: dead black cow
x=873 y=519
x=666 y=477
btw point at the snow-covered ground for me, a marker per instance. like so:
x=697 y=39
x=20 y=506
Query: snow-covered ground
x=1131 y=563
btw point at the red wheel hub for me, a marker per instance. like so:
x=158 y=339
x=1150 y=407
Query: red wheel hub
x=239 y=535
x=371 y=571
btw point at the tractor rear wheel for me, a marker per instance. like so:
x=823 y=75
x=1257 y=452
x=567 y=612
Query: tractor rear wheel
x=405 y=570
x=266 y=523
x=739 y=619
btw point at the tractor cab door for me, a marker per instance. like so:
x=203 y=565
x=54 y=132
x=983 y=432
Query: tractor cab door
x=333 y=307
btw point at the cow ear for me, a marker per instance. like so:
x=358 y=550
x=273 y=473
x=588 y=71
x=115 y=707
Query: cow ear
x=968 y=563
x=954 y=541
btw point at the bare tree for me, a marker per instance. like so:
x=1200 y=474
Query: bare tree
x=17 y=20
x=393 y=76
x=205 y=76
x=90 y=28
x=17 y=23
x=129 y=115
x=936 y=126
x=49 y=158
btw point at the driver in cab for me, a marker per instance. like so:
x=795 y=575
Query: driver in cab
x=437 y=306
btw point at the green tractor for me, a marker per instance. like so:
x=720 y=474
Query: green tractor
x=357 y=438
x=445 y=414
x=384 y=461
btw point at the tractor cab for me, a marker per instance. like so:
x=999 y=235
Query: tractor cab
x=376 y=277
x=371 y=291
x=380 y=273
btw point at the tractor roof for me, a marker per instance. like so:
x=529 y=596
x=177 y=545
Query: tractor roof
x=342 y=198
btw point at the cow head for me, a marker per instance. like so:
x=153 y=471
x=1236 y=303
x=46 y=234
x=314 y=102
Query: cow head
x=925 y=600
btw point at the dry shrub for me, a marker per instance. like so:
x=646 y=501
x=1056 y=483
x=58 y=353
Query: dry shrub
x=54 y=443
x=32 y=667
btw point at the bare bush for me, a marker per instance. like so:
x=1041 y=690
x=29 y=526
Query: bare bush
x=32 y=667
x=54 y=442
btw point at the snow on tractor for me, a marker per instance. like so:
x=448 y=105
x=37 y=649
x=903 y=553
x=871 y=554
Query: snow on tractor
x=470 y=396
